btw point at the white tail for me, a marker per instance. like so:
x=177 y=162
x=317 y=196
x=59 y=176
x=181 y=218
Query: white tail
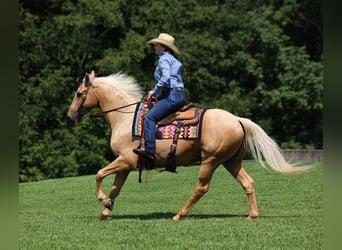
x=264 y=147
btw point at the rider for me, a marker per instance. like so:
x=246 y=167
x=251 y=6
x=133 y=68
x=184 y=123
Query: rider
x=169 y=89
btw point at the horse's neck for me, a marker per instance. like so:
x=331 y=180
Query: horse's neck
x=110 y=99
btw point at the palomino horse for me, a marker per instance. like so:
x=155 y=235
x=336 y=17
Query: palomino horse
x=223 y=141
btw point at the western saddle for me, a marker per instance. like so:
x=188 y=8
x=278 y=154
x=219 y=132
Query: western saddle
x=186 y=115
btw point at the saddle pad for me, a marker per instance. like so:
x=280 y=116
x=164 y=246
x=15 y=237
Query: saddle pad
x=167 y=131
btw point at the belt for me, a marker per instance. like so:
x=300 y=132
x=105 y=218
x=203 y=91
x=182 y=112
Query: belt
x=169 y=89
x=177 y=89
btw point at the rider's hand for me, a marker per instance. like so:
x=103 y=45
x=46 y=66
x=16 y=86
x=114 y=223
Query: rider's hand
x=149 y=94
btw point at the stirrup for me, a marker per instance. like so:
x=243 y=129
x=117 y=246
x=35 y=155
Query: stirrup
x=138 y=151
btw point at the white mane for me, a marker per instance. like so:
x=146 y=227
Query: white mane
x=124 y=83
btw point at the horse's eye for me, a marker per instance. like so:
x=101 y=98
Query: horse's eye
x=79 y=94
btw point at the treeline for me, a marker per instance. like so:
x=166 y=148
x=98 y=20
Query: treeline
x=259 y=59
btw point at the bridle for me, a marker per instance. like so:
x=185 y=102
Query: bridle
x=82 y=98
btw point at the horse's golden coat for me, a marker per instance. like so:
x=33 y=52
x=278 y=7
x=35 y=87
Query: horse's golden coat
x=223 y=141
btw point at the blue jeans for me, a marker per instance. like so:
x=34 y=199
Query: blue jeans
x=169 y=102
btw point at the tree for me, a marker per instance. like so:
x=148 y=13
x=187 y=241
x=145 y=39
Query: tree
x=258 y=59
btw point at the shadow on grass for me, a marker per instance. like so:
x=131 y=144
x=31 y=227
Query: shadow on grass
x=169 y=215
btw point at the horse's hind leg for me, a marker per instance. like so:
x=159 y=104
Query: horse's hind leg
x=247 y=183
x=202 y=187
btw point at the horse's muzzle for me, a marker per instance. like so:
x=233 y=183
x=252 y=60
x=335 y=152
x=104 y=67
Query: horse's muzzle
x=72 y=117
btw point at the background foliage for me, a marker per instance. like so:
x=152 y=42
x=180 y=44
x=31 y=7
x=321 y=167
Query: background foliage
x=258 y=59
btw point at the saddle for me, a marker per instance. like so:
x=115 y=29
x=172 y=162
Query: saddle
x=186 y=115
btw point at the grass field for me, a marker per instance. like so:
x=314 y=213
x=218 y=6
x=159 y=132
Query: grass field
x=62 y=213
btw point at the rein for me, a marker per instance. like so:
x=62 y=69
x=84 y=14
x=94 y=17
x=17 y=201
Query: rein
x=99 y=114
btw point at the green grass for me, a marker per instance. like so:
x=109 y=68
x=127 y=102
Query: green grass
x=62 y=213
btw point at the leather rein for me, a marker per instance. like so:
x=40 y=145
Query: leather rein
x=102 y=113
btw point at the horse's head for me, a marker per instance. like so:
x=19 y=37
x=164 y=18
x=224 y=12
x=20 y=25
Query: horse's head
x=84 y=100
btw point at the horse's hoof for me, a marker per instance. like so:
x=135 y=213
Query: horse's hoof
x=250 y=217
x=176 y=218
x=102 y=217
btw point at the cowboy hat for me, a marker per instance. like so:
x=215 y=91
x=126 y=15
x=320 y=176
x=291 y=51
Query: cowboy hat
x=166 y=40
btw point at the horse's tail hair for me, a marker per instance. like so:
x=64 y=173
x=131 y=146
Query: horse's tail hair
x=264 y=148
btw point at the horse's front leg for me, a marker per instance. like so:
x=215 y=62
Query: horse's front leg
x=120 y=179
x=121 y=169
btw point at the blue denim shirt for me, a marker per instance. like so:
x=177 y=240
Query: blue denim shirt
x=168 y=72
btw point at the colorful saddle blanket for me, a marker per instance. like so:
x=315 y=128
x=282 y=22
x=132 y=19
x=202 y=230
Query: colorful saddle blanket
x=168 y=131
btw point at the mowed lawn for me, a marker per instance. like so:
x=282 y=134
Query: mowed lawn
x=62 y=213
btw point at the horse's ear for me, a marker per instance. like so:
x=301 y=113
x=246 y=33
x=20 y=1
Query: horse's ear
x=92 y=75
x=89 y=78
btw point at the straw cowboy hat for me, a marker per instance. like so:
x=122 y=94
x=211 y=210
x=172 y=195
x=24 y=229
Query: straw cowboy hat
x=166 y=40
